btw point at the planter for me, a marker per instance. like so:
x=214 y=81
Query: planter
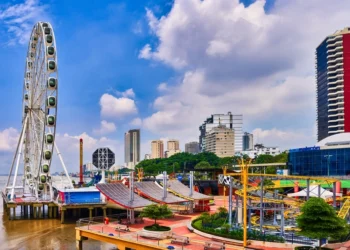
x=156 y=234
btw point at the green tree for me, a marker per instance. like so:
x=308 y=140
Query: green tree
x=226 y=161
x=123 y=171
x=264 y=159
x=319 y=220
x=222 y=212
x=205 y=217
x=280 y=158
x=202 y=165
x=155 y=212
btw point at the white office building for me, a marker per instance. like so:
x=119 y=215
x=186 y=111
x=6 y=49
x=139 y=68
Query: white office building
x=233 y=122
x=260 y=149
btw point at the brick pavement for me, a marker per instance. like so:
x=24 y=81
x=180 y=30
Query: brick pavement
x=179 y=226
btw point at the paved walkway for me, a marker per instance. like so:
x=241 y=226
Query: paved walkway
x=178 y=225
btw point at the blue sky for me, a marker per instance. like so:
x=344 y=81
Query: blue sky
x=180 y=60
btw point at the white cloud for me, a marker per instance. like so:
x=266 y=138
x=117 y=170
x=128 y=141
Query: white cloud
x=136 y=122
x=20 y=18
x=242 y=60
x=187 y=105
x=217 y=48
x=105 y=128
x=69 y=146
x=127 y=93
x=145 y=53
x=162 y=86
x=238 y=42
x=8 y=139
x=152 y=20
x=287 y=138
x=116 y=107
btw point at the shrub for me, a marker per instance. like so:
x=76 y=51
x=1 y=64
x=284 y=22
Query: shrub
x=237 y=234
x=156 y=227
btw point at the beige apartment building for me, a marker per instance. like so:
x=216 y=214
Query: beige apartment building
x=157 y=149
x=220 y=141
x=173 y=147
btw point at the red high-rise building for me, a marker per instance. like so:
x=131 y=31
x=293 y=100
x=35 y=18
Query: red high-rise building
x=333 y=84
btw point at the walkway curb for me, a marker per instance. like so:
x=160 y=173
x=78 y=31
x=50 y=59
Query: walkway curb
x=213 y=237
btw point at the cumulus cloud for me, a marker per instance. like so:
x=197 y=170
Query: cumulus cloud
x=285 y=138
x=8 y=139
x=136 y=122
x=162 y=86
x=186 y=105
x=112 y=106
x=20 y=18
x=69 y=146
x=127 y=93
x=242 y=42
x=243 y=60
x=105 y=128
x=145 y=53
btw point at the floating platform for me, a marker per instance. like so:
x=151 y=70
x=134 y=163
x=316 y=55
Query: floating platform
x=67 y=199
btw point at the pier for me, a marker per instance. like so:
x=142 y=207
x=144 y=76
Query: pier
x=30 y=208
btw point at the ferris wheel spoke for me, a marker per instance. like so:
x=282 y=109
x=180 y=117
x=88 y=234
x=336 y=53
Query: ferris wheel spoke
x=38 y=53
x=37 y=61
x=37 y=116
x=38 y=85
x=37 y=147
x=36 y=136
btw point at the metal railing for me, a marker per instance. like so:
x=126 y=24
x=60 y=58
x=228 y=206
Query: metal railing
x=96 y=224
x=89 y=201
x=293 y=238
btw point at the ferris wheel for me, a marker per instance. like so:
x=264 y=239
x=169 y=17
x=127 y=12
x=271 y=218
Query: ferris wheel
x=40 y=98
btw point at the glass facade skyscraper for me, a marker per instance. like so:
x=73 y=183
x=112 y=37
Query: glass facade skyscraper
x=333 y=84
x=248 y=143
x=330 y=157
x=132 y=148
x=317 y=162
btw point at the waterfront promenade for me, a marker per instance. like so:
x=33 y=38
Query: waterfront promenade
x=179 y=225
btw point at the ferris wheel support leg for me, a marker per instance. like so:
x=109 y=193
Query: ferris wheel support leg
x=36 y=192
x=51 y=191
x=18 y=157
x=64 y=166
x=13 y=161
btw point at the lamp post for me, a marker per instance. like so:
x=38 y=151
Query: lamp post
x=328 y=159
x=244 y=167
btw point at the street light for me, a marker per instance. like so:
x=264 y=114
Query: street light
x=328 y=159
x=244 y=171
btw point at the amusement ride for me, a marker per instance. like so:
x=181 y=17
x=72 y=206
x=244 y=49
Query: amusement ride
x=36 y=143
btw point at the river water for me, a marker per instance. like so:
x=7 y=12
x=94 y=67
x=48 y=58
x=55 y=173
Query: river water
x=40 y=234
